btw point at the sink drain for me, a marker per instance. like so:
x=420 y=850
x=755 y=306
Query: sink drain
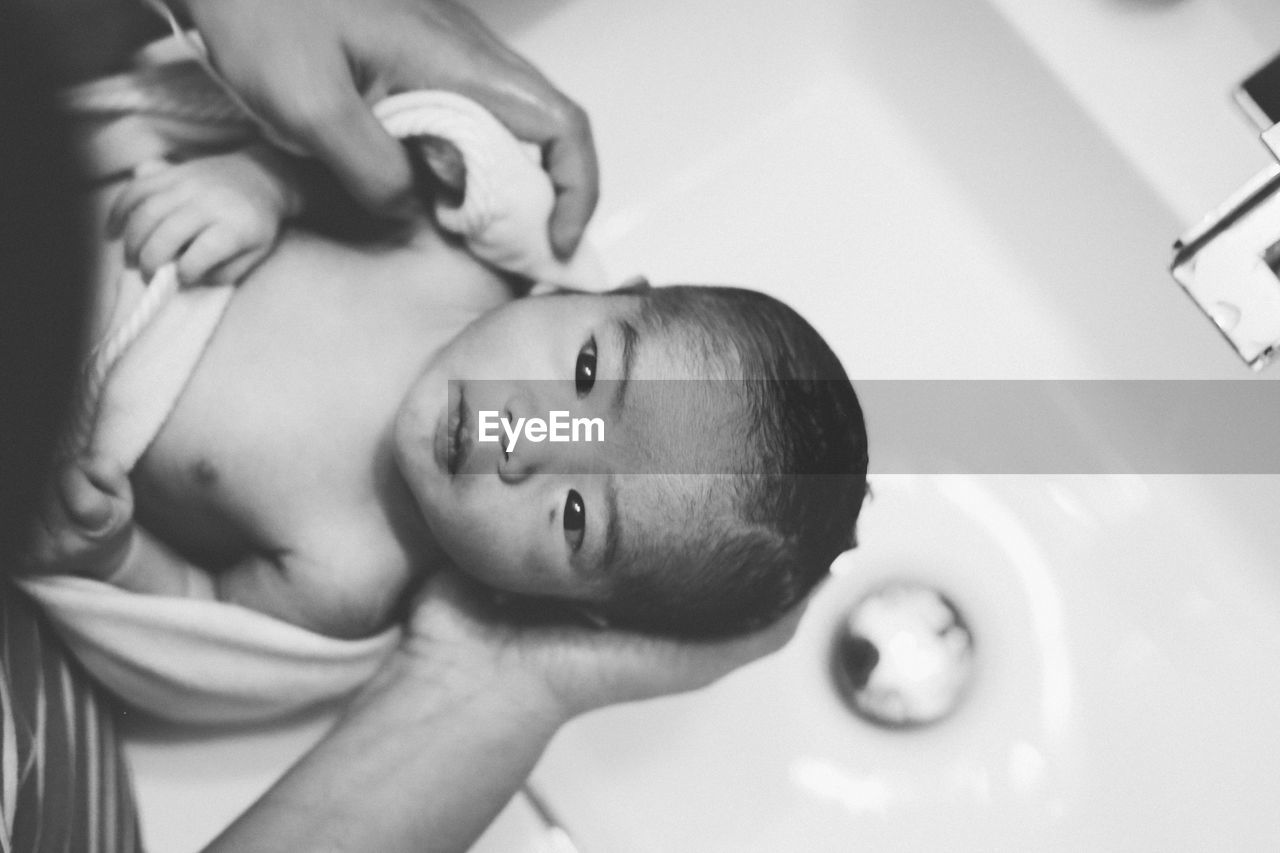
x=903 y=656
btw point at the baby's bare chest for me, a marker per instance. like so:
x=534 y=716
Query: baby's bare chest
x=283 y=429
x=255 y=465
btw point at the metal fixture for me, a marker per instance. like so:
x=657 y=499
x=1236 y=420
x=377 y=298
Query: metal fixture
x=903 y=656
x=1229 y=264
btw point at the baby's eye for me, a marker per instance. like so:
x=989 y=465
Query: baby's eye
x=575 y=519
x=584 y=372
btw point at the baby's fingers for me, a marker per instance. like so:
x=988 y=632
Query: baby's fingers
x=153 y=212
x=166 y=241
x=238 y=268
x=143 y=186
x=214 y=247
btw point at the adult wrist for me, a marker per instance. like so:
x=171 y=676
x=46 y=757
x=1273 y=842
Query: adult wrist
x=433 y=679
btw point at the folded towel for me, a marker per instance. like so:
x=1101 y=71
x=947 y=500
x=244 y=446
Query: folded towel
x=209 y=661
x=199 y=661
x=508 y=198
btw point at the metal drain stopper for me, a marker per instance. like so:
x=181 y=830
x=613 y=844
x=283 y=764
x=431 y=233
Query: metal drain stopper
x=903 y=656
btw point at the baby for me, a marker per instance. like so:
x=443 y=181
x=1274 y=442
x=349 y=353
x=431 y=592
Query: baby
x=327 y=450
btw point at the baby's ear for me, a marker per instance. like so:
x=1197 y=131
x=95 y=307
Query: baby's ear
x=635 y=285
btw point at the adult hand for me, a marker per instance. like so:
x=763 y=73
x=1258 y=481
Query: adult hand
x=309 y=67
x=469 y=689
x=568 y=668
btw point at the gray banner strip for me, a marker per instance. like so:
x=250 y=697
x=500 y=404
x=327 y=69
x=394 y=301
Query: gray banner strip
x=1073 y=427
x=944 y=426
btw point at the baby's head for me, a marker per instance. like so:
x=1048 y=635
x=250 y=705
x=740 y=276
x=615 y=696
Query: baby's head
x=710 y=507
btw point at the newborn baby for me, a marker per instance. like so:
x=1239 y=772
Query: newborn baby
x=326 y=450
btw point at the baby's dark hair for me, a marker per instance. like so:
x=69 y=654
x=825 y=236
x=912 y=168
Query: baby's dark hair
x=796 y=508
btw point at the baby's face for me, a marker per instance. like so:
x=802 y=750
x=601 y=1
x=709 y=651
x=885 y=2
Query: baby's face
x=546 y=517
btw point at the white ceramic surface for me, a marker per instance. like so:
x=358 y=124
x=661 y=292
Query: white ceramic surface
x=1124 y=695
x=961 y=189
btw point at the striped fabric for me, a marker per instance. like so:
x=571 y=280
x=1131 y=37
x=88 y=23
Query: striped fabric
x=64 y=786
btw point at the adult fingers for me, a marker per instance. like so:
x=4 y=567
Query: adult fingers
x=764 y=641
x=365 y=159
x=538 y=113
x=317 y=107
x=641 y=666
x=523 y=99
x=570 y=160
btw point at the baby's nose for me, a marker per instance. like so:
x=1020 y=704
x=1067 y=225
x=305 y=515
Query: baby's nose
x=522 y=403
x=532 y=451
x=538 y=440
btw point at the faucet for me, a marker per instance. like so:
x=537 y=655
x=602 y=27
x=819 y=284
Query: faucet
x=1229 y=264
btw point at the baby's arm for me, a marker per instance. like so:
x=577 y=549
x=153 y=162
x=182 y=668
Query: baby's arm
x=217 y=217
x=87 y=528
x=286 y=586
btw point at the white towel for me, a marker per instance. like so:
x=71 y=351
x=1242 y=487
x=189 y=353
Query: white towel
x=508 y=197
x=199 y=661
x=208 y=661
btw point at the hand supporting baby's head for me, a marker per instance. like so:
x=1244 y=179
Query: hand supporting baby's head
x=730 y=475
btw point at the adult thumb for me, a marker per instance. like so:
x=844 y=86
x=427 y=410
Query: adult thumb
x=372 y=166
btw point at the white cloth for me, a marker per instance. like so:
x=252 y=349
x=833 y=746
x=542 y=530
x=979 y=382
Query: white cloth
x=199 y=661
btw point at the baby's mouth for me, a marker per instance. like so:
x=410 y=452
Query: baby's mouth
x=459 y=436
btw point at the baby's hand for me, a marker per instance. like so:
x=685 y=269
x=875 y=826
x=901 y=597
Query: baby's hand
x=86 y=523
x=217 y=217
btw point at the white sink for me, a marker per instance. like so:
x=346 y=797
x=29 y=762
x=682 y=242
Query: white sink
x=950 y=190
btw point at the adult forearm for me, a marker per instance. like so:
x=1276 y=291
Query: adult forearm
x=439 y=742
x=422 y=761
